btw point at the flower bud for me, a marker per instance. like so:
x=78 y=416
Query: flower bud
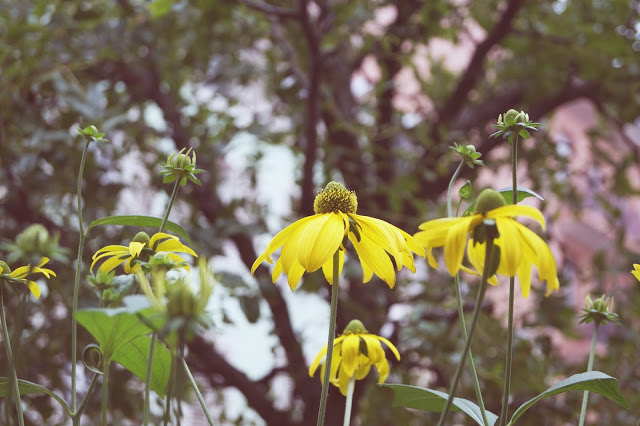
x=600 y=310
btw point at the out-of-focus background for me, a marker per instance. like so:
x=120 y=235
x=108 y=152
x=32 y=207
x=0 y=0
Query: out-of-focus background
x=278 y=98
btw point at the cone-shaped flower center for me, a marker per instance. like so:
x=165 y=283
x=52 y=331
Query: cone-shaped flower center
x=355 y=327
x=4 y=268
x=335 y=198
x=141 y=237
x=489 y=200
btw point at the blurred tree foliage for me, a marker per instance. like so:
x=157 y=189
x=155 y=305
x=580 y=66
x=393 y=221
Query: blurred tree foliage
x=65 y=63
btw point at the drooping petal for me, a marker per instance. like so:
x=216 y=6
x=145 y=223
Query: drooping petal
x=374 y=348
x=455 y=244
x=135 y=248
x=383 y=235
x=477 y=254
x=524 y=277
x=636 y=271
x=172 y=245
x=35 y=290
x=389 y=344
x=327 y=268
x=109 y=264
x=376 y=259
x=383 y=370
x=277 y=270
x=320 y=240
x=343 y=380
x=363 y=367
x=541 y=258
x=111 y=249
x=291 y=246
x=350 y=349
x=510 y=246
x=316 y=361
x=294 y=275
x=513 y=210
x=176 y=258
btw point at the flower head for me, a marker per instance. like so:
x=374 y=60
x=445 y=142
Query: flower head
x=354 y=352
x=180 y=167
x=19 y=275
x=520 y=248
x=310 y=243
x=514 y=123
x=33 y=244
x=139 y=250
x=468 y=154
x=599 y=311
x=176 y=305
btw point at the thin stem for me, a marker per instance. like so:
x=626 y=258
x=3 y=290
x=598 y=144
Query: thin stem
x=463 y=326
x=197 y=391
x=147 y=381
x=170 y=386
x=592 y=354
x=474 y=321
x=348 y=403
x=12 y=367
x=453 y=179
x=504 y=412
x=92 y=384
x=332 y=332
x=76 y=282
x=174 y=194
x=105 y=391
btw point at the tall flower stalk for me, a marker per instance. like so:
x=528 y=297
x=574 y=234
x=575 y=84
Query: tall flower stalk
x=470 y=157
x=514 y=125
x=89 y=134
x=15 y=391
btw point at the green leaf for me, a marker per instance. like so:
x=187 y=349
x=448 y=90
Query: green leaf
x=135 y=355
x=524 y=134
x=433 y=400
x=112 y=328
x=507 y=194
x=25 y=388
x=465 y=190
x=593 y=381
x=140 y=221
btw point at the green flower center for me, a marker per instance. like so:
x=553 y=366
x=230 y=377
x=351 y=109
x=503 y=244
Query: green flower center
x=335 y=198
x=355 y=327
x=141 y=237
x=4 y=268
x=489 y=200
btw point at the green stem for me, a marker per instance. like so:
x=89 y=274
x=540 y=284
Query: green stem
x=147 y=381
x=474 y=321
x=12 y=367
x=170 y=386
x=348 y=403
x=76 y=282
x=92 y=384
x=174 y=195
x=504 y=412
x=463 y=326
x=592 y=354
x=197 y=391
x=332 y=332
x=105 y=391
x=453 y=179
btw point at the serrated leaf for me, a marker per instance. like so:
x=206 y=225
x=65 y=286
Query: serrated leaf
x=593 y=381
x=507 y=194
x=26 y=387
x=465 y=190
x=134 y=356
x=140 y=221
x=434 y=401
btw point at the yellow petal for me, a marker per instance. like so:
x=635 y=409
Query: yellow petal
x=455 y=244
x=277 y=270
x=291 y=245
x=512 y=210
x=320 y=240
x=316 y=361
x=541 y=257
x=375 y=258
x=35 y=290
x=327 y=268
x=363 y=369
x=135 y=248
x=350 y=350
x=343 y=381
x=383 y=235
x=174 y=245
x=510 y=246
x=636 y=271
x=374 y=348
x=294 y=275
x=277 y=241
x=112 y=249
x=110 y=264
x=389 y=344
x=383 y=370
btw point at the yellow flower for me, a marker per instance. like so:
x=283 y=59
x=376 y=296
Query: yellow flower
x=520 y=248
x=140 y=248
x=21 y=273
x=310 y=243
x=354 y=352
x=636 y=271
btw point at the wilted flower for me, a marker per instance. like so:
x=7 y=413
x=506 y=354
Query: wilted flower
x=310 y=243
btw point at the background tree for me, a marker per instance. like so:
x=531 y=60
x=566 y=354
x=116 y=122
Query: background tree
x=175 y=74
